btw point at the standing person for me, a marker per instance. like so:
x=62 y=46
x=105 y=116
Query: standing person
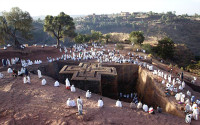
x=181 y=76
x=80 y=109
x=80 y=105
x=39 y=73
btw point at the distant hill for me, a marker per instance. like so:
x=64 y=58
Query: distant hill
x=42 y=17
x=182 y=29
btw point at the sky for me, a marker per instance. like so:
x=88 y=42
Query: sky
x=85 y=7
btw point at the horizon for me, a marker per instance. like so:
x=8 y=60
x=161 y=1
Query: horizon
x=88 y=7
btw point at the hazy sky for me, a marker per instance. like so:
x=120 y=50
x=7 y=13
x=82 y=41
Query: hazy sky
x=84 y=7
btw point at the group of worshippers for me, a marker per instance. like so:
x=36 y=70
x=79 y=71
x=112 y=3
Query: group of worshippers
x=81 y=52
x=174 y=86
x=71 y=103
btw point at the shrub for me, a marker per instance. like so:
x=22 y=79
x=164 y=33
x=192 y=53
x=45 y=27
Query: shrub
x=120 y=46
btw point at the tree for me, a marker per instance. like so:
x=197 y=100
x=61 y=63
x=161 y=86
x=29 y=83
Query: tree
x=136 y=37
x=107 y=37
x=15 y=25
x=96 y=35
x=165 y=48
x=60 y=26
x=82 y=38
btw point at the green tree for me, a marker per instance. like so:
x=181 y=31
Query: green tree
x=165 y=48
x=60 y=26
x=96 y=35
x=15 y=25
x=82 y=38
x=136 y=37
x=107 y=37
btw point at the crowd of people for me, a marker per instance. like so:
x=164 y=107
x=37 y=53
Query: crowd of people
x=83 y=52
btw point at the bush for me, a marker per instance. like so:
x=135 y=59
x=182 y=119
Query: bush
x=120 y=46
x=147 y=47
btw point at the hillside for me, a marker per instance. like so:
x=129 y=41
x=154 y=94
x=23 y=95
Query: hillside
x=183 y=29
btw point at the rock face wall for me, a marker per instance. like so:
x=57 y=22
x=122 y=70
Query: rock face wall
x=152 y=93
x=127 y=75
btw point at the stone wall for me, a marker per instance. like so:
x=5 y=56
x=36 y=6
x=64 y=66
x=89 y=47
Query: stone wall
x=152 y=93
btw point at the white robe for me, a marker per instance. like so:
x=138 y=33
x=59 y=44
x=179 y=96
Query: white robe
x=67 y=82
x=70 y=103
x=139 y=105
x=188 y=108
x=56 y=84
x=10 y=70
x=73 y=89
x=25 y=80
x=188 y=118
x=189 y=93
x=39 y=74
x=183 y=84
x=100 y=103
x=178 y=96
x=118 y=103
x=196 y=114
x=88 y=95
x=44 y=82
x=183 y=98
x=145 y=108
x=28 y=79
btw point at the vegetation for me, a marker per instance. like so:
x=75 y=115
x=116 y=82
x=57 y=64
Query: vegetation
x=195 y=68
x=82 y=38
x=165 y=48
x=120 y=46
x=60 y=26
x=15 y=25
x=136 y=37
x=178 y=27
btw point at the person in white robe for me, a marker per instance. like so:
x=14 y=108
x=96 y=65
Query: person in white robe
x=188 y=118
x=10 y=70
x=44 y=82
x=100 y=103
x=151 y=111
x=73 y=89
x=189 y=93
x=28 y=79
x=56 y=84
x=70 y=103
x=183 y=98
x=194 y=106
x=79 y=100
x=183 y=84
x=88 y=95
x=196 y=113
x=188 y=108
x=145 y=108
x=178 y=96
x=139 y=105
x=67 y=84
x=118 y=103
x=39 y=74
x=25 y=80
